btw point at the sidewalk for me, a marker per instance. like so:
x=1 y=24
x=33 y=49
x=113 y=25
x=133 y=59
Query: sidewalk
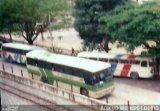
x=68 y=39
x=65 y=39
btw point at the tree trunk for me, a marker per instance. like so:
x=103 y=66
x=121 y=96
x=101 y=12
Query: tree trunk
x=106 y=43
x=10 y=35
x=42 y=36
x=30 y=41
x=106 y=47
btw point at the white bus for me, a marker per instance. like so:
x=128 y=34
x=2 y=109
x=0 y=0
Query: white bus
x=16 y=52
x=125 y=65
x=87 y=77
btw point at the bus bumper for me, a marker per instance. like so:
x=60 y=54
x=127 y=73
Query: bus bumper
x=101 y=93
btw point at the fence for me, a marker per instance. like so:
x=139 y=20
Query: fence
x=83 y=100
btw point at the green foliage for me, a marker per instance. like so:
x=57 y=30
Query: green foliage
x=25 y=14
x=87 y=14
x=135 y=25
x=6 y=24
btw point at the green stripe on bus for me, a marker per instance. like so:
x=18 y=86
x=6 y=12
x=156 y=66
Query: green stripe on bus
x=51 y=77
x=42 y=72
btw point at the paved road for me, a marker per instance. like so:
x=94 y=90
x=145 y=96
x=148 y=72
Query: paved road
x=137 y=92
x=9 y=99
x=148 y=84
x=12 y=102
x=141 y=91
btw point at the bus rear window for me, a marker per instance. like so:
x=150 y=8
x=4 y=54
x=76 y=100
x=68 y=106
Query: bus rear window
x=135 y=62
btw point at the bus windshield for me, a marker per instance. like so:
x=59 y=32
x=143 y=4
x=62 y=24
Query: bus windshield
x=102 y=77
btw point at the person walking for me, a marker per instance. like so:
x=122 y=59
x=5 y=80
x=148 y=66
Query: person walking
x=72 y=52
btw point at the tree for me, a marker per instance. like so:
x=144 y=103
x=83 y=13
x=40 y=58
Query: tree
x=6 y=23
x=24 y=15
x=136 y=25
x=6 y=26
x=87 y=14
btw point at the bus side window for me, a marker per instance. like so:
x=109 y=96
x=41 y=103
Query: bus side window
x=116 y=61
x=20 y=51
x=40 y=64
x=144 y=63
x=56 y=67
x=62 y=69
x=31 y=62
x=88 y=78
x=74 y=72
x=78 y=73
x=93 y=58
x=45 y=64
x=48 y=66
x=16 y=51
x=124 y=61
x=111 y=60
x=101 y=59
x=68 y=70
x=24 y=52
x=11 y=50
x=7 y=49
x=137 y=62
x=132 y=62
x=105 y=60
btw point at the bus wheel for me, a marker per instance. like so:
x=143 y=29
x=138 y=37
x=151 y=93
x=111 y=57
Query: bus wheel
x=134 y=75
x=83 y=91
x=44 y=79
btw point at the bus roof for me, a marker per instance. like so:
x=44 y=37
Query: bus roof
x=20 y=46
x=80 y=63
x=108 y=55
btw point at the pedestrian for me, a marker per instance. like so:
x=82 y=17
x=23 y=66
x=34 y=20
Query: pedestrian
x=72 y=51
